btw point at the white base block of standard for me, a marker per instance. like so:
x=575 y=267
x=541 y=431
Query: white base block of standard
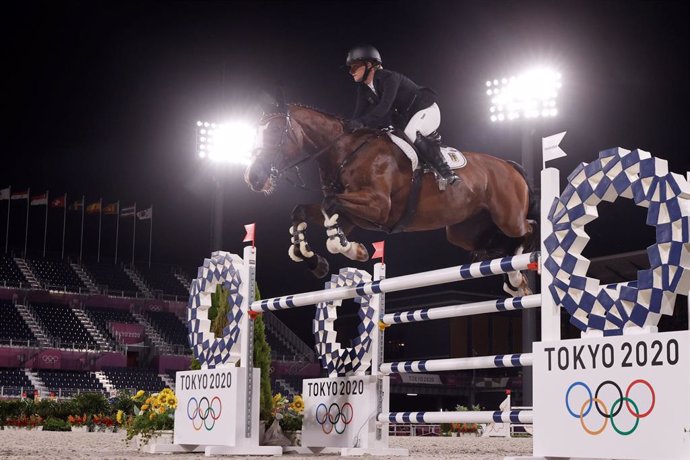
x=166 y=448
x=243 y=450
x=379 y=452
x=641 y=379
x=340 y=413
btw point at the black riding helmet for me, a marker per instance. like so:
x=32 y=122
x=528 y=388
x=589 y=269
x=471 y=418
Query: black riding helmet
x=363 y=53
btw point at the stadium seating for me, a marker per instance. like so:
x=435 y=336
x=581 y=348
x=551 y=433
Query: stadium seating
x=161 y=279
x=69 y=383
x=56 y=274
x=101 y=316
x=60 y=322
x=10 y=275
x=13 y=382
x=12 y=326
x=170 y=327
x=113 y=278
x=134 y=379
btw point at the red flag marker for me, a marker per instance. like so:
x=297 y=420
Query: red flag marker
x=378 y=250
x=250 y=228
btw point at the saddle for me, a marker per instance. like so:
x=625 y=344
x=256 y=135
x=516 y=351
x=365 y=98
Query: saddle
x=454 y=157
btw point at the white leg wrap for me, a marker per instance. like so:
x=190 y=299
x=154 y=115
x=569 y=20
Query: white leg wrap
x=334 y=243
x=515 y=278
x=330 y=221
x=292 y=255
x=299 y=240
x=305 y=252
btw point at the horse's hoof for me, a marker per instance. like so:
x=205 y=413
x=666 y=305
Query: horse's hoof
x=322 y=268
x=362 y=253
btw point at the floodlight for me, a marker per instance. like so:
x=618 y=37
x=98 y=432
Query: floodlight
x=225 y=143
x=531 y=95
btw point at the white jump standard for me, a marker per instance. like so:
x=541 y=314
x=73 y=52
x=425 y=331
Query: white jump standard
x=577 y=413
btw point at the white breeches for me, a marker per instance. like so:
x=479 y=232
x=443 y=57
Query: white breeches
x=426 y=121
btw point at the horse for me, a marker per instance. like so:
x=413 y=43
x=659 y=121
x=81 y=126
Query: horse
x=368 y=182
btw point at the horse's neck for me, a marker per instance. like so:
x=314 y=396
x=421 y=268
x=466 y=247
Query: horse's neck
x=320 y=130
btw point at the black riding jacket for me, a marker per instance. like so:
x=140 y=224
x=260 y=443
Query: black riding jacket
x=397 y=98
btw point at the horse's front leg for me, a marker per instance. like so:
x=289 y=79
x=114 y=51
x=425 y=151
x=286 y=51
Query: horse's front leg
x=300 y=251
x=337 y=229
x=366 y=205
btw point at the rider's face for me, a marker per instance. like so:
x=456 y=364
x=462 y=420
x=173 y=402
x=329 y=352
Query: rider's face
x=357 y=71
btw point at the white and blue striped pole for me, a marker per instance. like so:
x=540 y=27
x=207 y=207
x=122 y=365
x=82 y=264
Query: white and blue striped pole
x=514 y=416
x=468 y=309
x=457 y=364
x=400 y=283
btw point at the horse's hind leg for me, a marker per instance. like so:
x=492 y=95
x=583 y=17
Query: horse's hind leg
x=300 y=251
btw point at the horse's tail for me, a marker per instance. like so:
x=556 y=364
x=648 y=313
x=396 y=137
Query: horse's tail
x=533 y=211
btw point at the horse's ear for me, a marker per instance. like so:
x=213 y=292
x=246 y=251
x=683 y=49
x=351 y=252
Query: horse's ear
x=280 y=98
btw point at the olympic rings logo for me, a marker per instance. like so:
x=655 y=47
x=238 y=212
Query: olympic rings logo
x=616 y=407
x=203 y=412
x=50 y=359
x=334 y=417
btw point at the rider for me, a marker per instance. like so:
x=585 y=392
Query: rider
x=385 y=97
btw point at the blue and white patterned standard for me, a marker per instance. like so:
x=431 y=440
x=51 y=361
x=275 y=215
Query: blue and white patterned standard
x=646 y=180
x=211 y=351
x=344 y=362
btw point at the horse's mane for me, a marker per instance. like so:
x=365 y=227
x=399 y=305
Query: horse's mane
x=323 y=112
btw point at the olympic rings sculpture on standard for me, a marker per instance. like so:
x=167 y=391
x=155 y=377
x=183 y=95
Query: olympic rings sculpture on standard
x=645 y=179
x=340 y=362
x=211 y=351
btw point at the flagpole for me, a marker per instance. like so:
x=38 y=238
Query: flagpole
x=7 y=232
x=45 y=230
x=28 y=207
x=134 y=233
x=100 y=221
x=81 y=242
x=64 y=224
x=150 y=235
x=117 y=229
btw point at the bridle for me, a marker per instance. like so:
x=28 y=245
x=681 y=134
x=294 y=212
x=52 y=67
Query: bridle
x=288 y=133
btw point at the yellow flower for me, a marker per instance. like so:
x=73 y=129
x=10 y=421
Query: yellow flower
x=152 y=415
x=145 y=407
x=161 y=410
x=298 y=404
x=277 y=398
x=139 y=394
x=119 y=416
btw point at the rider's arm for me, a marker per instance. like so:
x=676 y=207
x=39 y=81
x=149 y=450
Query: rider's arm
x=361 y=102
x=379 y=115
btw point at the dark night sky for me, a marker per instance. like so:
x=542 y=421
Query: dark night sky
x=101 y=98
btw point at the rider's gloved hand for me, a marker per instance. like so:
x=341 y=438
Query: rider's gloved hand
x=352 y=125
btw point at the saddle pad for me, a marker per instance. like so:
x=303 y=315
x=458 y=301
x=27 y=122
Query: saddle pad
x=454 y=157
x=406 y=148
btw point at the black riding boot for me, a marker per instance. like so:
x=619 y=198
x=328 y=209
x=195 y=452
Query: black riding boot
x=430 y=150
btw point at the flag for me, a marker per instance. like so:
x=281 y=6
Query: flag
x=378 y=250
x=39 y=200
x=250 y=228
x=20 y=195
x=58 y=202
x=76 y=206
x=5 y=194
x=110 y=209
x=145 y=214
x=550 y=147
x=94 y=208
x=128 y=212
